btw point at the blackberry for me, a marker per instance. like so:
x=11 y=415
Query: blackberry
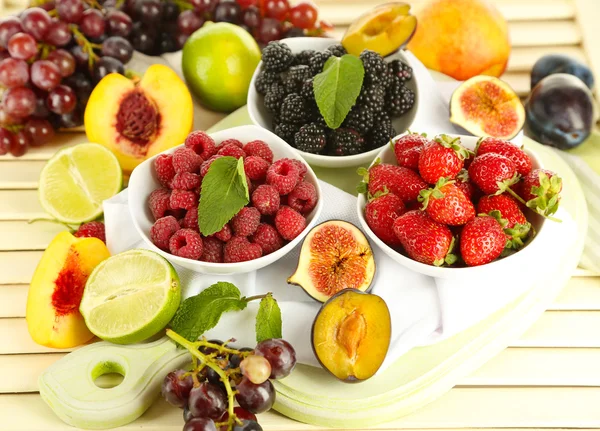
x=360 y=118
x=381 y=133
x=345 y=142
x=400 y=69
x=338 y=50
x=399 y=99
x=265 y=79
x=307 y=91
x=376 y=69
x=372 y=96
x=317 y=61
x=303 y=57
x=286 y=131
x=274 y=97
x=311 y=138
x=277 y=57
x=294 y=109
x=295 y=78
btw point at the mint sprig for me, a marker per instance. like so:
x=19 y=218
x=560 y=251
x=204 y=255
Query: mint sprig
x=224 y=193
x=202 y=312
x=337 y=87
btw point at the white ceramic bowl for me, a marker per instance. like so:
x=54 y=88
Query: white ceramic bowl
x=143 y=181
x=508 y=263
x=261 y=117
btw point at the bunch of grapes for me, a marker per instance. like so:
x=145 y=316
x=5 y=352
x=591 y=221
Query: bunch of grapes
x=220 y=376
x=51 y=58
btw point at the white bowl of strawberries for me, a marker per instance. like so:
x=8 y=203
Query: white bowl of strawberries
x=172 y=208
x=446 y=206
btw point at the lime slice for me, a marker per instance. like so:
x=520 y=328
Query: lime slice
x=76 y=180
x=130 y=297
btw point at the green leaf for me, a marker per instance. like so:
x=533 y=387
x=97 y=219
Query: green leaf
x=198 y=314
x=268 y=319
x=224 y=193
x=337 y=88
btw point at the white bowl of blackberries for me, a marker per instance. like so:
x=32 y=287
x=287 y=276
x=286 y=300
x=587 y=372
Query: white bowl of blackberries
x=335 y=113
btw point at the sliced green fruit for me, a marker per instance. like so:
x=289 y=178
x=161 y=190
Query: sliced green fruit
x=76 y=180
x=130 y=297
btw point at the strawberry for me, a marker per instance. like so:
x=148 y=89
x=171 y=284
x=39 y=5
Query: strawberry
x=401 y=181
x=541 y=190
x=464 y=183
x=507 y=149
x=447 y=204
x=442 y=157
x=482 y=240
x=408 y=149
x=424 y=239
x=494 y=174
x=381 y=212
x=517 y=227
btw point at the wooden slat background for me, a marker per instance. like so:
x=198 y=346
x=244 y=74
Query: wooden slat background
x=548 y=378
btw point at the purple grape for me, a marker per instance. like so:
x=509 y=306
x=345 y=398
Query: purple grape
x=280 y=354
x=92 y=23
x=117 y=47
x=176 y=388
x=200 y=424
x=251 y=17
x=255 y=398
x=106 y=65
x=119 y=23
x=207 y=401
x=59 y=33
x=228 y=11
x=36 y=22
x=70 y=11
x=9 y=26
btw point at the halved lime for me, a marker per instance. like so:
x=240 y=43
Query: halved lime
x=130 y=297
x=76 y=180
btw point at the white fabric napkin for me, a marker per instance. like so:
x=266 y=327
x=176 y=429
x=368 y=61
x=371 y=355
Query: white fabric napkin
x=424 y=310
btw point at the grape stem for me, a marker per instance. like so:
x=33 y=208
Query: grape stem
x=52 y=220
x=86 y=45
x=183 y=5
x=205 y=360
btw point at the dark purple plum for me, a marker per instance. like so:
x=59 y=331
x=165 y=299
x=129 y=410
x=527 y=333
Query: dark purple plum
x=558 y=63
x=559 y=111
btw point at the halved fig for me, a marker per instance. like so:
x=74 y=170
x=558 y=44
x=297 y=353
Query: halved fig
x=383 y=29
x=335 y=255
x=487 y=106
x=351 y=335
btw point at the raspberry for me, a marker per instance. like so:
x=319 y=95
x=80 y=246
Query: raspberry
x=92 y=229
x=212 y=250
x=284 y=174
x=163 y=165
x=200 y=143
x=231 y=150
x=185 y=160
x=190 y=221
x=239 y=249
x=159 y=203
x=256 y=168
x=207 y=163
x=251 y=185
x=289 y=223
x=162 y=230
x=183 y=199
x=266 y=199
x=260 y=149
x=236 y=142
x=303 y=198
x=185 y=181
x=301 y=167
x=245 y=222
x=224 y=234
x=268 y=238
x=186 y=243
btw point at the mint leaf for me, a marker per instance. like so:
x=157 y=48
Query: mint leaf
x=337 y=88
x=199 y=313
x=268 y=319
x=224 y=193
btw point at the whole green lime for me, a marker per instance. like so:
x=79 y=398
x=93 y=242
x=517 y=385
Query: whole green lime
x=218 y=62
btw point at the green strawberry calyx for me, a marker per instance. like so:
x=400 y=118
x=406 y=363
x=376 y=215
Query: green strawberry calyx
x=505 y=186
x=518 y=233
x=447 y=141
x=378 y=194
x=434 y=192
x=450 y=258
x=547 y=197
x=364 y=173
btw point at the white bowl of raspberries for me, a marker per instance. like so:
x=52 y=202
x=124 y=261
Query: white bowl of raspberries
x=281 y=99
x=447 y=206
x=284 y=202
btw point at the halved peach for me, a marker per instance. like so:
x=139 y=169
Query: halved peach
x=137 y=120
x=52 y=314
x=383 y=29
